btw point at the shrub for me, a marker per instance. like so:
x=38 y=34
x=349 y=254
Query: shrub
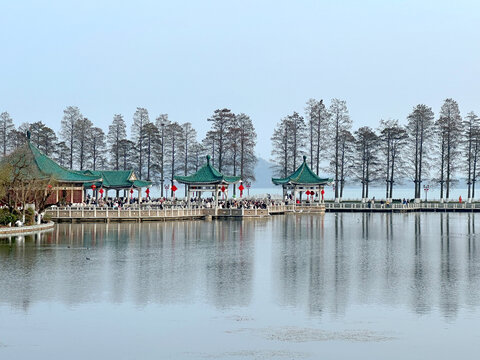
x=29 y=216
x=7 y=217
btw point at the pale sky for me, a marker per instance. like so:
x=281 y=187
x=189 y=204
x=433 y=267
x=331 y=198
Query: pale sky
x=263 y=58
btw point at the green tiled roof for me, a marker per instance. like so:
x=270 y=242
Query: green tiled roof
x=302 y=176
x=41 y=166
x=113 y=179
x=207 y=175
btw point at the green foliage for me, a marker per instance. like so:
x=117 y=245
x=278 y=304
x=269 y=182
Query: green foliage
x=29 y=216
x=47 y=218
x=7 y=217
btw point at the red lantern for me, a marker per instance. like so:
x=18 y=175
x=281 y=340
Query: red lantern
x=93 y=187
x=147 y=191
x=241 y=189
x=131 y=191
x=307 y=192
x=101 y=191
x=223 y=189
x=174 y=188
x=49 y=186
x=322 y=192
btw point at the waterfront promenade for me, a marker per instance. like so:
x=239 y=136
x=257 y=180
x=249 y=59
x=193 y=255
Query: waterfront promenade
x=152 y=213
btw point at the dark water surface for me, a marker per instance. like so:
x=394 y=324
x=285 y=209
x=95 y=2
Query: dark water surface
x=346 y=286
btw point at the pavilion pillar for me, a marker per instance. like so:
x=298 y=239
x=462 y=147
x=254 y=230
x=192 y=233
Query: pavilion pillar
x=117 y=195
x=72 y=189
x=139 y=196
x=188 y=195
x=216 y=196
x=83 y=195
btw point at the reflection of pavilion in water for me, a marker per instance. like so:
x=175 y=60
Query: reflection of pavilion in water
x=141 y=263
x=357 y=259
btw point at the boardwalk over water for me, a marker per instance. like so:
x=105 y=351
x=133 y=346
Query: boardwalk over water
x=146 y=213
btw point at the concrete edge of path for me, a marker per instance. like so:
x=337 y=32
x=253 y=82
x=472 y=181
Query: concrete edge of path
x=26 y=229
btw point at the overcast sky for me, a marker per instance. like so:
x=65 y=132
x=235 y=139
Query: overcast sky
x=263 y=58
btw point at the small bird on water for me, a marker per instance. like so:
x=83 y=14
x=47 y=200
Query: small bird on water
x=87 y=258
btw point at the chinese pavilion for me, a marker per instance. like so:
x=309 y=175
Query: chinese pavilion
x=303 y=180
x=207 y=179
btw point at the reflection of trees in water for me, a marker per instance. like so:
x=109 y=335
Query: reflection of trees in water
x=448 y=269
x=421 y=289
x=151 y=262
x=230 y=263
x=390 y=259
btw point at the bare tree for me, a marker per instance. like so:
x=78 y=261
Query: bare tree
x=96 y=149
x=366 y=165
x=83 y=134
x=43 y=137
x=174 y=149
x=151 y=143
x=117 y=131
x=340 y=122
x=319 y=123
x=140 y=119
x=161 y=122
x=471 y=126
x=222 y=120
x=127 y=153
x=70 y=117
x=247 y=140
x=419 y=129
x=280 y=150
x=6 y=128
x=449 y=131
x=393 y=139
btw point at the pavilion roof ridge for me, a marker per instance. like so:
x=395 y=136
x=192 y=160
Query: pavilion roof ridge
x=302 y=175
x=207 y=174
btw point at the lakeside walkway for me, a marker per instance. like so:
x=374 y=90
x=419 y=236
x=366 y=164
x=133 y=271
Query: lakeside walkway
x=147 y=213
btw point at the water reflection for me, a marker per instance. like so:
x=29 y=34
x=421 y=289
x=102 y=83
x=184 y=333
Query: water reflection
x=423 y=261
x=322 y=264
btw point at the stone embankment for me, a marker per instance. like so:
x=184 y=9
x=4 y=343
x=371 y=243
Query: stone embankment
x=25 y=230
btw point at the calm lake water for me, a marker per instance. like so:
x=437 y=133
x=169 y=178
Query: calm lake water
x=346 y=286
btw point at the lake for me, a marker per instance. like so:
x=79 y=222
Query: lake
x=338 y=286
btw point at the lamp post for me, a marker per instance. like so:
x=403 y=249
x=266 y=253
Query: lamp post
x=426 y=188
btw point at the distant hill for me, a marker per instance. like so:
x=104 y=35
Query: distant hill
x=263 y=174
